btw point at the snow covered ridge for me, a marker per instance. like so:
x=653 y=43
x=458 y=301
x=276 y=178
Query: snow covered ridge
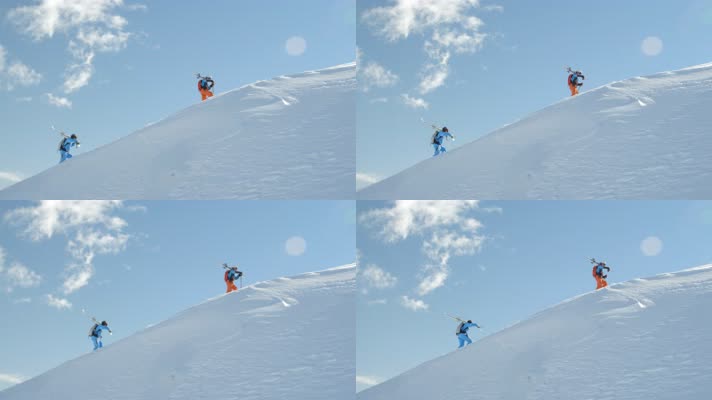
x=290 y=338
x=642 y=339
x=287 y=138
x=642 y=138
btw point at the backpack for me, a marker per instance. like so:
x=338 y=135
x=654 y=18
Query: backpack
x=92 y=332
x=595 y=271
x=571 y=79
x=435 y=138
x=459 y=328
x=226 y=275
x=61 y=144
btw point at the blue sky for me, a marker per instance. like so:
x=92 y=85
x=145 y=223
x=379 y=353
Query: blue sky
x=479 y=68
x=105 y=68
x=499 y=262
x=138 y=263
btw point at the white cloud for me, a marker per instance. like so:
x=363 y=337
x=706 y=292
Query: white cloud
x=58 y=303
x=295 y=246
x=651 y=46
x=379 y=100
x=23 y=75
x=295 y=46
x=10 y=177
x=102 y=40
x=367 y=381
x=92 y=26
x=433 y=77
x=412 y=304
x=449 y=232
x=11 y=378
x=449 y=25
x=363 y=180
x=137 y=7
x=651 y=246
x=377 y=278
x=493 y=7
x=90 y=226
x=48 y=17
x=50 y=217
x=408 y=217
x=23 y=300
x=434 y=277
x=16 y=73
x=414 y=102
x=61 y=102
x=20 y=276
x=375 y=75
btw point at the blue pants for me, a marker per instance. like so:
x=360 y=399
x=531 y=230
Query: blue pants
x=438 y=149
x=463 y=338
x=65 y=156
x=97 y=342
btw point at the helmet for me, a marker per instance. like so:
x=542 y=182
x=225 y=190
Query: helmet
x=469 y=321
x=73 y=136
x=104 y=323
x=445 y=129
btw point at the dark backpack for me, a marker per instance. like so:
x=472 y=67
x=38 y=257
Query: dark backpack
x=92 y=332
x=435 y=138
x=62 y=143
x=459 y=329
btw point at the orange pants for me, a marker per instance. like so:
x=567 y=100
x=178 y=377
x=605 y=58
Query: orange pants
x=230 y=287
x=204 y=93
x=574 y=89
x=600 y=282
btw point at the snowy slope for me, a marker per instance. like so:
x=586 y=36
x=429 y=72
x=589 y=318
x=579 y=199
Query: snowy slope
x=642 y=339
x=290 y=137
x=642 y=138
x=291 y=338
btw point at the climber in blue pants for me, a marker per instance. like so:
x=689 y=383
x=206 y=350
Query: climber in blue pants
x=438 y=138
x=462 y=332
x=65 y=145
x=95 y=334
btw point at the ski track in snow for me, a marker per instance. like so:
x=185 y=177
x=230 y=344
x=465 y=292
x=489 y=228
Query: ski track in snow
x=287 y=138
x=282 y=339
x=641 y=339
x=642 y=138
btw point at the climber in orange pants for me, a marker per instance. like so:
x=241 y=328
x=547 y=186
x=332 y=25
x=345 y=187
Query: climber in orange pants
x=231 y=275
x=572 y=88
x=597 y=272
x=205 y=85
x=575 y=81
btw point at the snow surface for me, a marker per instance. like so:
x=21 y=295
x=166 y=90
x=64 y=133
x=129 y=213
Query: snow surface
x=291 y=338
x=292 y=137
x=642 y=339
x=642 y=138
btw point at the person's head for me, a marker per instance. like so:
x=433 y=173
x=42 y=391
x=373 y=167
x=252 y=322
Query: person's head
x=445 y=129
x=104 y=323
x=73 y=136
x=469 y=321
